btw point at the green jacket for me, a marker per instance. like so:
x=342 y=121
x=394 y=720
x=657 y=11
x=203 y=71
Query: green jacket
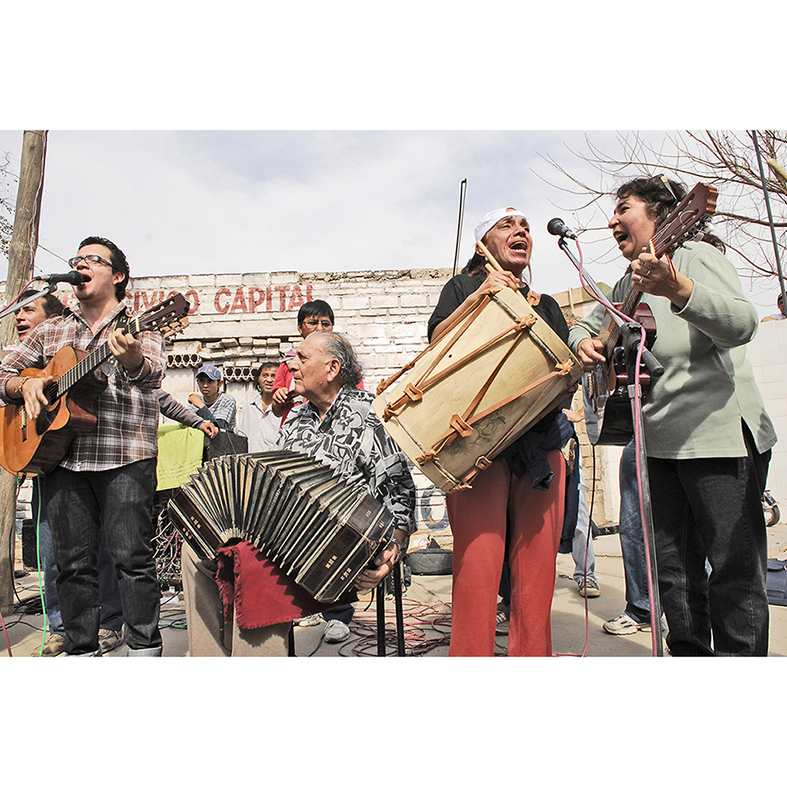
x=694 y=409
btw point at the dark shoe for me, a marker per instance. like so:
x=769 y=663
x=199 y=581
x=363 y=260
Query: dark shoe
x=109 y=639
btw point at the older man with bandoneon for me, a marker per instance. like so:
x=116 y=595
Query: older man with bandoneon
x=337 y=426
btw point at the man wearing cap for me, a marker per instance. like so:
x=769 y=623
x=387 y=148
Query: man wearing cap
x=107 y=477
x=515 y=505
x=211 y=404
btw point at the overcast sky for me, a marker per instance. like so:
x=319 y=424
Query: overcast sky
x=238 y=198
x=226 y=201
x=243 y=201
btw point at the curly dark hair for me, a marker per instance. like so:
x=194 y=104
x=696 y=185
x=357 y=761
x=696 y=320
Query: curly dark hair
x=660 y=196
x=117 y=258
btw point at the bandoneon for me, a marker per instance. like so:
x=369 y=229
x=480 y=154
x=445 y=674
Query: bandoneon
x=298 y=511
x=478 y=387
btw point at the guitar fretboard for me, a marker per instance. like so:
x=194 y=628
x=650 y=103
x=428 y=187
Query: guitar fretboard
x=84 y=367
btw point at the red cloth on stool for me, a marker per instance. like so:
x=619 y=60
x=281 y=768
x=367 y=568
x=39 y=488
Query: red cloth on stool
x=262 y=594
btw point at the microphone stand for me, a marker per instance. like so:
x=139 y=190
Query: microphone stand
x=15 y=307
x=631 y=338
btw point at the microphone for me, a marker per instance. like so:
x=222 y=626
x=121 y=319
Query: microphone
x=557 y=227
x=72 y=277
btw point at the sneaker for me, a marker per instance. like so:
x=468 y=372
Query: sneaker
x=336 y=631
x=588 y=587
x=109 y=639
x=55 y=645
x=624 y=624
x=311 y=620
x=502 y=623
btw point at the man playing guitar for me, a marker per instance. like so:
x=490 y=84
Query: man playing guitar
x=107 y=476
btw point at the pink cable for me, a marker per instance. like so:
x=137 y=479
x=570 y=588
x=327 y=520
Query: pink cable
x=637 y=410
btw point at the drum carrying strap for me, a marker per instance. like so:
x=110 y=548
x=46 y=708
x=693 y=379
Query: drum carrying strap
x=413 y=392
x=463 y=426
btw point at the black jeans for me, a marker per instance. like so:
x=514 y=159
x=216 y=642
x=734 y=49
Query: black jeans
x=711 y=508
x=120 y=501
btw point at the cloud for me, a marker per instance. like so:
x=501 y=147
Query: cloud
x=231 y=202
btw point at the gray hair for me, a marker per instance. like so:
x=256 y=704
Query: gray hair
x=338 y=346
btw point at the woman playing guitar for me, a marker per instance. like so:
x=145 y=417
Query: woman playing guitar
x=707 y=435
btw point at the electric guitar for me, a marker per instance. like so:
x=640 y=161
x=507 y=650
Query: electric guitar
x=39 y=446
x=605 y=390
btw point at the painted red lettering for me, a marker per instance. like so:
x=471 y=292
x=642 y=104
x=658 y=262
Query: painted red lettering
x=282 y=290
x=239 y=304
x=155 y=297
x=256 y=298
x=296 y=301
x=221 y=308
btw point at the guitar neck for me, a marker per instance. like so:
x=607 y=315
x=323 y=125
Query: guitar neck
x=89 y=363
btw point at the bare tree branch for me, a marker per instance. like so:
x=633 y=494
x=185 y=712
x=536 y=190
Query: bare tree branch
x=724 y=159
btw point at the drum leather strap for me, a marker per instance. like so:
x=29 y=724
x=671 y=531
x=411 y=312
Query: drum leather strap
x=413 y=392
x=463 y=427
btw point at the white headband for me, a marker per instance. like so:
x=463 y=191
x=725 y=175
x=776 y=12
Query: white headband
x=492 y=218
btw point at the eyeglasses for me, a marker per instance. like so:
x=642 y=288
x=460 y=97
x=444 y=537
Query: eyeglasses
x=322 y=323
x=90 y=259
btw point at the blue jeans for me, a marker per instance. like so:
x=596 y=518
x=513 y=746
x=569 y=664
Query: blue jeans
x=108 y=590
x=582 y=545
x=119 y=502
x=632 y=538
x=711 y=508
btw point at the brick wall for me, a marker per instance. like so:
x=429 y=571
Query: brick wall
x=239 y=320
x=768 y=356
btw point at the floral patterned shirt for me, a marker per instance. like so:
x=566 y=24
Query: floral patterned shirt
x=352 y=440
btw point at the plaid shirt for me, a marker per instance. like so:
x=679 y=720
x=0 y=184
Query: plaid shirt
x=127 y=409
x=221 y=412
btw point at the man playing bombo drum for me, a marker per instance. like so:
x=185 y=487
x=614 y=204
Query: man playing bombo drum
x=503 y=495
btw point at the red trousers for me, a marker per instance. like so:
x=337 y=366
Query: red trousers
x=478 y=519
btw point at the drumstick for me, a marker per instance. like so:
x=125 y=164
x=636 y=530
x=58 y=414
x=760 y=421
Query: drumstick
x=493 y=264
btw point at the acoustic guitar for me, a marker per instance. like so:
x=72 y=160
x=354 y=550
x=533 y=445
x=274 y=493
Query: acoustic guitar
x=605 y=390
x=39 y=446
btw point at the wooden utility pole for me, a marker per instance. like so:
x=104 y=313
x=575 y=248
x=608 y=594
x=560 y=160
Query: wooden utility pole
x=21 y=256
